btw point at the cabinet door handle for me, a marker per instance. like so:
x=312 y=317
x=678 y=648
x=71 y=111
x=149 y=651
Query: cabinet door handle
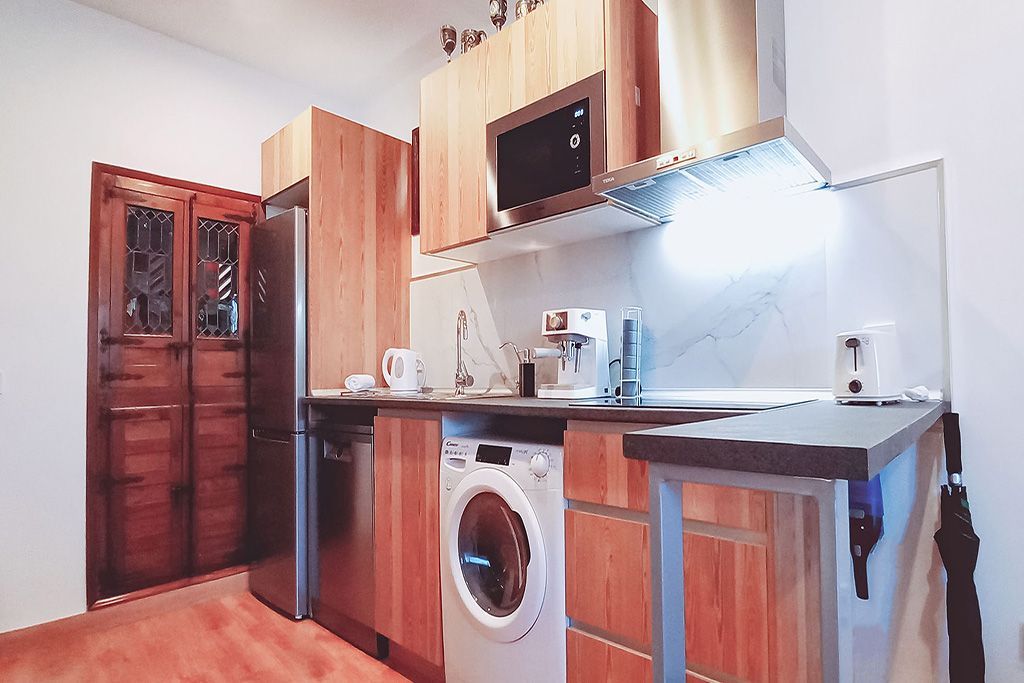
x=179 y=491
x=124 y=415
x=120 y=377
x=106 y=340
x=124 y=481
x=233 y=375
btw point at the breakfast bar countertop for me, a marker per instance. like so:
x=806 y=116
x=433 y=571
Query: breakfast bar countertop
x=515 y=406
x=820 y=439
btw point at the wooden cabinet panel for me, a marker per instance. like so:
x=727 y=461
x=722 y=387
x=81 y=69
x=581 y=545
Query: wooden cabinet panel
x=727 y=620
x=597 y=472
x=407 y=534
x=590 y=659
x=286 y=156
x=146 y=511
x=631 y=82
x=359 y=247
x=795 y=585
x=551 y=48
x=726 y=506
x=608 y=575
x=219 y=450
x=576 y=40
x=453 y=154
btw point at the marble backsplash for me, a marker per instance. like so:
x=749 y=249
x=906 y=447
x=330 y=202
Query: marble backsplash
x=745 y=294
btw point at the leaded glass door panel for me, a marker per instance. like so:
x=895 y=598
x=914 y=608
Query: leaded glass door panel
x=219 y=307
x=143 y=338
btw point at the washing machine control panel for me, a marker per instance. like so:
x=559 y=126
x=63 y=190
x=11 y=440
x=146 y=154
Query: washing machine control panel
x=533 y=465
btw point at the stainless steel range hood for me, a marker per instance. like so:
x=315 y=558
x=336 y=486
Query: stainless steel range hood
x=723 y=112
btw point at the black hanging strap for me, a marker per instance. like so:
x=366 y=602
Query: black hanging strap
x=951 y=435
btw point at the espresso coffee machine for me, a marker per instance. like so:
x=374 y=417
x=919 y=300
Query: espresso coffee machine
x=580 y=336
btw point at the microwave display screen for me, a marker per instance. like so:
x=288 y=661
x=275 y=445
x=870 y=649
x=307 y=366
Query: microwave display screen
x=545 y=157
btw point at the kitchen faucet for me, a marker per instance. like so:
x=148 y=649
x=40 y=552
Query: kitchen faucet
x=462 y=377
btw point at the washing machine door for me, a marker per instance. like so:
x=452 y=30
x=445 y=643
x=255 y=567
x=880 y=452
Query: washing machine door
x=496 y=555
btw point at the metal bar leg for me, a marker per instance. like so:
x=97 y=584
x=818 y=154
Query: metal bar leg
x=668 y=648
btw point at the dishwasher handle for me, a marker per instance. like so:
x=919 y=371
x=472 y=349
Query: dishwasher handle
x=341 y=447
x=338 y=452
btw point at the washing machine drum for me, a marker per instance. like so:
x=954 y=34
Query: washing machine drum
x=496 y=555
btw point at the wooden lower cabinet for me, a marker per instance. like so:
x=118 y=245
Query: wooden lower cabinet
x=726 y=589
x=608 y=575
x=145 y=515
x=750 y=573
x=219 y=448
x=406 y=534
x=591 y=659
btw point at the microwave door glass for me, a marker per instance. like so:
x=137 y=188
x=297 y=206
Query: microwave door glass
x=545 y=157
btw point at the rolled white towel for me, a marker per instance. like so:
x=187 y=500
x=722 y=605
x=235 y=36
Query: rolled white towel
x=359 y=382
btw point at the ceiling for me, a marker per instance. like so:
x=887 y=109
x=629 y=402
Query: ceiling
x=369 y=53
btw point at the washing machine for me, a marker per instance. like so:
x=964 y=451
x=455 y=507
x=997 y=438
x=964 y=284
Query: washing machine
x=502 y=560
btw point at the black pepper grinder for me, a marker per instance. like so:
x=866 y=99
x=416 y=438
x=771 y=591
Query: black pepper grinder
x=528 y=376
x=527 y=371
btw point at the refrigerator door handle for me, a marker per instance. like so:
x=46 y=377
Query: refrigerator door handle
x=266 y=435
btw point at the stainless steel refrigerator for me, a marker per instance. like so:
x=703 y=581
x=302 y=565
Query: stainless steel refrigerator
x=278 y=466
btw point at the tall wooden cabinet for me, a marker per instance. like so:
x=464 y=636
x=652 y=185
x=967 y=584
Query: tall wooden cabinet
x=166 y=380
x=355 y=183
x=749 y=574
x=558 y=44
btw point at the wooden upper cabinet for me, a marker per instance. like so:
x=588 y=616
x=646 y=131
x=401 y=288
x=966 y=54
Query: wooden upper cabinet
x=453 y=154
x=359 y=238
x=560 y=43
x=632 y=84
x=287 y=155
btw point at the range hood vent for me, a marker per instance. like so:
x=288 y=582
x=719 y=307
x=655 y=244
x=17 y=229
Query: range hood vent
x=725 y=128
x=770 y=158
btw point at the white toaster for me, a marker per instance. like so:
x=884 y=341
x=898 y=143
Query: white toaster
x=869 y=366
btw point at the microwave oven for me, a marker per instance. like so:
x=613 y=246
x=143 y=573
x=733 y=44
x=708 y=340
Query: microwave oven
x=541 y=158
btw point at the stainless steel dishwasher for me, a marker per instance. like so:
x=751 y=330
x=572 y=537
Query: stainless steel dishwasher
x=343 y=581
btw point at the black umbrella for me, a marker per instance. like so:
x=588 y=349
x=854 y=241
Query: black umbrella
x=958 y=546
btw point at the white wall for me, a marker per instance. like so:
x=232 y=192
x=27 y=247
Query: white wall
x=78 y=86
x=878 y=84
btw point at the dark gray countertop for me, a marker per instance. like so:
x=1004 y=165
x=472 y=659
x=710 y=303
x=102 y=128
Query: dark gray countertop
x=528 y=407
x=820 y=439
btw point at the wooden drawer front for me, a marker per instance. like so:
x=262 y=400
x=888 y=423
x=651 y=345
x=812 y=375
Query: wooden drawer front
x=590 y=659
x=727 y=623
x=597 y=472
x=726 y=506
x=608 y=575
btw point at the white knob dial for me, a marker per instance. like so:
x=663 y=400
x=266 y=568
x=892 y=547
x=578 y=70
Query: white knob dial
x=539 y=464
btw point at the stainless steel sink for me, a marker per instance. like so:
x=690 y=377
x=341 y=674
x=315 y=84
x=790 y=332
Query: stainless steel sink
x=430 y=395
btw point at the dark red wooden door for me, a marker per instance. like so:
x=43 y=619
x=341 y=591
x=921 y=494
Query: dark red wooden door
x=167 y=380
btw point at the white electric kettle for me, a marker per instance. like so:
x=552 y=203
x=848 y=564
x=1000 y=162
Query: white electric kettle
x=407 y=372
